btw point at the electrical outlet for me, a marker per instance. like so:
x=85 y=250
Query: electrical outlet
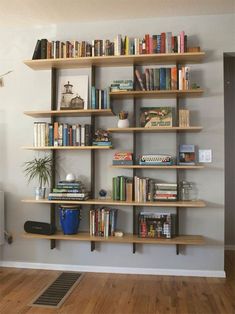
x=205 y=155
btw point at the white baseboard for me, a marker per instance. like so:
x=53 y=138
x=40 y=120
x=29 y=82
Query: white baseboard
x=117 y=270
x=230 y=247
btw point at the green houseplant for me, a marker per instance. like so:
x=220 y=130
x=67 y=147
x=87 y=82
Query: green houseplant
x=39 y=169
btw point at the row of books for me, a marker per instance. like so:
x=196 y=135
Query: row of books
x=142 y=189
x=163 y=79
x=103 y=222
x=61 y=134
x=150 y=44
x=155 y=225
x=100 y=98
x=73 y=191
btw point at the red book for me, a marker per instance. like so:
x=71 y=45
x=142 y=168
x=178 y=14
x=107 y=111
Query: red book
x=163 y=43
x=174 y=78
x=146 y=37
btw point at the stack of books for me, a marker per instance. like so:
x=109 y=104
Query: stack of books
x=143 y=189
x=103 y=222
x=155 y=225
x=102 y=138
x=70 y=191
x=121 y=85
x=165 y=192
x=123 y=158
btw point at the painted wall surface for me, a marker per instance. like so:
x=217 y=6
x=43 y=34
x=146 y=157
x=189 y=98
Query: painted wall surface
x=26 y=89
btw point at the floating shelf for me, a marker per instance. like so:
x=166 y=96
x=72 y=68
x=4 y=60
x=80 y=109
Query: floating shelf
x=124 y=60
x=157 y=167
x=192 y=204
x=156 y=129
x=158 y=93
x=67 y=147
x=69 y=113
x=127 y=238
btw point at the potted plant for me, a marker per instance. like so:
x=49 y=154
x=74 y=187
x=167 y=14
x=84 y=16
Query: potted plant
x=123 y=121
x=39 y=169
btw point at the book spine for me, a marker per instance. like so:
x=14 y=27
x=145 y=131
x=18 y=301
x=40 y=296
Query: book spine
x=162 y=78
x=174 y=78
x=122 y=189
x=44 y=48
x=139 y=79
x=168 y=78
x=35 y=134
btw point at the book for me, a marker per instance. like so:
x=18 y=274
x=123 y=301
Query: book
x=155 y=116
x=187 y=154
x=37 y=50
x=72 y=92
x=139 y=80
x=43 y=54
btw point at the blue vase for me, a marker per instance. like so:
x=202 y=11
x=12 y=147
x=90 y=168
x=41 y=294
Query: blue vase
x=69 y=219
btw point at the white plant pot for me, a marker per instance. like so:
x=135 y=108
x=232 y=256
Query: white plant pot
x=123 y=123
x=40 y=193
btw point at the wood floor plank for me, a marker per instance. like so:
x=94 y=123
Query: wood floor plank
x=122 y=294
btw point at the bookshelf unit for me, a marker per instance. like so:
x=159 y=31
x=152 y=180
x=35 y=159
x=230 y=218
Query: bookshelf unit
x=116 y=61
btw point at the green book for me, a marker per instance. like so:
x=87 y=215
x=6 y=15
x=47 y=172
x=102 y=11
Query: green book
x=116 y=189
x=156 y=81
x=122 y=188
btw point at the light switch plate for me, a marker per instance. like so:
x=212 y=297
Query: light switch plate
x=205 y=155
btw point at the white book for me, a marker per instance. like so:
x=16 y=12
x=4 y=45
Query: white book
x=35 y=134
x=180 y=80
x=43 y=134
x=39 y=135
x=82 y=135
x=78 y=135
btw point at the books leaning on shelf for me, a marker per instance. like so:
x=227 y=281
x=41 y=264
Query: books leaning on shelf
x=155 y=117
x=156 y=160
x=165 y=42
x=103 y=222
x=187 y=154
x=73 y=191
x=122 y=188
x=157 y=79
x=155 y=225
x=165 y=192
x=123 y=158
x=184 y=118
x=61 y=134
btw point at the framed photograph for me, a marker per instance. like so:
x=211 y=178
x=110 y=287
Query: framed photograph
x=155 y=117
x=73 y=92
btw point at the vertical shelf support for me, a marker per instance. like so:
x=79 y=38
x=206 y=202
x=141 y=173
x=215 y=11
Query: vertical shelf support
x=134 y=155
x=53 y=107
x=92 y=246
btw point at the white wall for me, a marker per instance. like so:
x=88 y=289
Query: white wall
x=26 y=89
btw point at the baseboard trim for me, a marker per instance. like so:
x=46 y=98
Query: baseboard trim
x=230 y=247
x=116 y=270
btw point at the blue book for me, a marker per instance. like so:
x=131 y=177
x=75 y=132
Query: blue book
x=162 y=78
x=93 y=98
x=51 y=135
x=158 y=43
x=65 y=131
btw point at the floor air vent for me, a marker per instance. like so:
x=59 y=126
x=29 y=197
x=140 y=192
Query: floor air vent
x=57 y=292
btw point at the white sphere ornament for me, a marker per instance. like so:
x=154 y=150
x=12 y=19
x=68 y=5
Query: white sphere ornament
x=70 y=177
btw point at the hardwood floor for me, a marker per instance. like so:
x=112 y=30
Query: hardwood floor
x=122 y=294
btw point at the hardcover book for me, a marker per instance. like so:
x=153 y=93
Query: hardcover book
x=155 y=117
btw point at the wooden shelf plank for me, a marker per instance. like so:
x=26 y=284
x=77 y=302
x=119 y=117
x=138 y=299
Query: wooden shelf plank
x=67 y=147
x=69 y=113
x=127 y=238
x=157 y=93
x=124 y=60
x=157 y=167
x=156 y=129
x=189 y=204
